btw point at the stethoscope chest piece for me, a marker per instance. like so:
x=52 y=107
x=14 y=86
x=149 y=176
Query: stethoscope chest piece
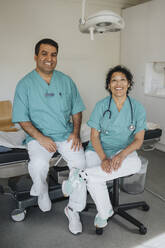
x=131 y=127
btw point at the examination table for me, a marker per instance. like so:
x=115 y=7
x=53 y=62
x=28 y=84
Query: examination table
x=13 y=167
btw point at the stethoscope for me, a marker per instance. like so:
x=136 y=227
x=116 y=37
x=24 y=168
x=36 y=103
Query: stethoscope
x=131 y=126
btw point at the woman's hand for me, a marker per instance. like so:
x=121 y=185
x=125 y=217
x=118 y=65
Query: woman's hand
x=106 y=165
x=117 y=160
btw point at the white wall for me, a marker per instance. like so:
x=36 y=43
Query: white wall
x=24 y=22
x=142 y=41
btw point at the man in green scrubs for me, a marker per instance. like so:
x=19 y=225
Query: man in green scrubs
x=45 y=101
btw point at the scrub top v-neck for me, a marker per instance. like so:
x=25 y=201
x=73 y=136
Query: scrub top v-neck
x=115 y=134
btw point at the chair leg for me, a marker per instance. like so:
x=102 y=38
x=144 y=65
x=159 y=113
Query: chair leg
x=120 y=209
x=1 y=189
x=133 y=205
x=131 y=219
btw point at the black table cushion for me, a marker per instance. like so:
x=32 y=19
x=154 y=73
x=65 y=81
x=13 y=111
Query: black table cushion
x=151 y=134
x=16 y=154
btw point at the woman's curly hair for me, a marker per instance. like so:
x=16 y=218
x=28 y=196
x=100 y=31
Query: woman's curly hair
x=122 y=69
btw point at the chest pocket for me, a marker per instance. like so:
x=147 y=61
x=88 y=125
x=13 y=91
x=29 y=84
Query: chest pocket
x=106 y=125
x=65 y=102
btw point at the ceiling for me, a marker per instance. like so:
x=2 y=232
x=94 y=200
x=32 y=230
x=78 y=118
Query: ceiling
x=118 y=3
x=129 y=3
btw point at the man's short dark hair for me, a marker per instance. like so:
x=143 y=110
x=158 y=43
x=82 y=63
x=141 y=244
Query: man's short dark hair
x=45 y=41
x=122 y=69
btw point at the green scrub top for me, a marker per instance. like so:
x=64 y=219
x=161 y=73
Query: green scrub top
x=48 y=106
x=114 y=132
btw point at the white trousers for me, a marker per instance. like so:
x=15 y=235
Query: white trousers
x=97 y=178
x=39 y=166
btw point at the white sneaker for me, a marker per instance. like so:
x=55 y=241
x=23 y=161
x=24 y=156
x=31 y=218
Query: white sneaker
x=44 y=202
x=75 y=225
x=101 y=223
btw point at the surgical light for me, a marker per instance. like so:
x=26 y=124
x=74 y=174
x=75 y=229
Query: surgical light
x=100 y=22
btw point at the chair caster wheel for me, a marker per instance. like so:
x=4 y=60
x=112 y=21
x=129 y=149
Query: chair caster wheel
x=99 y=231
x=146 y=208
x=18 y=215
x=143 y=230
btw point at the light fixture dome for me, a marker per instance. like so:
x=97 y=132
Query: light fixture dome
x=100 y=22
x=103 y=21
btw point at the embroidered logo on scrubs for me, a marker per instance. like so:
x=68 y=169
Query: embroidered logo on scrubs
x=49 y=94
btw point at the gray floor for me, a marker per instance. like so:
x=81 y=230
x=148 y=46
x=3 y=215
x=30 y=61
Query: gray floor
x=48 y=230
x=156 y=171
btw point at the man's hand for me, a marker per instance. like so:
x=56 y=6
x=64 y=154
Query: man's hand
x=76 y=142
x=44 y=141
x=106 y=165
x=47 y=143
